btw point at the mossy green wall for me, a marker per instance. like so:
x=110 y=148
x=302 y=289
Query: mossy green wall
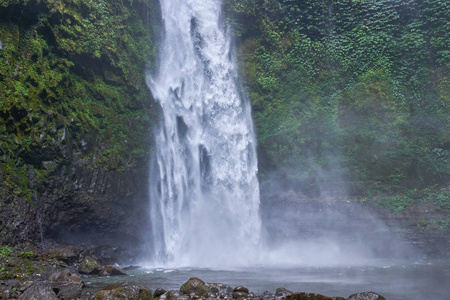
x=72 y=84
x=73 y=96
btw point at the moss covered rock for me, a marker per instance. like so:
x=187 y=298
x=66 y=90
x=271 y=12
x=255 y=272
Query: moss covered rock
x=89 y=265
x=125 y=292
x=195 y=286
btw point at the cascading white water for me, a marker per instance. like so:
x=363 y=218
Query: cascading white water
x=204 y=188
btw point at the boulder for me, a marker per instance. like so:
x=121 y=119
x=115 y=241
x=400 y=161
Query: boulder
x=66 y=284
x=311 y=296
x=108 y=255
x=240 y=292
x=366 y=296
x=65 y=276
x=111 y=271
x=67 y=290
x=66 y=254
x=89 y=265
x=195 y=286
x=135 y=292
x=241 y=289
x=39 y=291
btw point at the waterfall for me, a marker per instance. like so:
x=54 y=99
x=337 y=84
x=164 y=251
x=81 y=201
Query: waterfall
x=203 y=185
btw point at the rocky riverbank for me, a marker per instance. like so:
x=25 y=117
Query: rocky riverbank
x=61 y=273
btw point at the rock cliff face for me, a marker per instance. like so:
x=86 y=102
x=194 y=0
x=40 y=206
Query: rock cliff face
x=75 y=119
x=79 y=204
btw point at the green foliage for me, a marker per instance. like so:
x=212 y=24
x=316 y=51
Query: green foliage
x=72 y=84
x=442 y=224
x=441 y=198
x=395 y=203
x=349 y=93
x=5 y=251
x=26 y=254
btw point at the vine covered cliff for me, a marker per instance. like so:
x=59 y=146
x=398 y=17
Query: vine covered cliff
x=349 y=93
x=75 y=115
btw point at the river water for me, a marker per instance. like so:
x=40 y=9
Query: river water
x=395 y=280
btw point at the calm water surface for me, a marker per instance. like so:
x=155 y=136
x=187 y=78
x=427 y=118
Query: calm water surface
x=427 y=280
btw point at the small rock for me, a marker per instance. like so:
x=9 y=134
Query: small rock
x=366 y=296
x=172 y=295
x=268 y=295
x=239 y=295
x=158 y=292
x=12 y=283
x=114 y=286
x=282 y=292
x=220 y=288
x=129 y=268
x=111 y=271
x=25 y=285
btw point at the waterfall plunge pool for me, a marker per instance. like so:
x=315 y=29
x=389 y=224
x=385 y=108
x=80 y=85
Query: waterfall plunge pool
x=395 y=280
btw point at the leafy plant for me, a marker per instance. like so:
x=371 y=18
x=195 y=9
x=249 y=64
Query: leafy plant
x=5 y=251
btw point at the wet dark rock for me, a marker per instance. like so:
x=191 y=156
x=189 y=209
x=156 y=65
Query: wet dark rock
x=220 y=288
x=11 y=283
x=196 y=286
x=89 y=265
x=10 y=289
x=131 y=268
x=159 y=292
x=32 y=254
x=268 y=295
x=114 y=286
x=65 y=276
x=24 y=285
x=66 y=254
x=111 y=271
x=311 y=296
x=366 y=296
x=173 y=294
x=241 y=289
x=108 y=254
x=66 y=284
x=239 y=295
x=39 y=291
x=67 y=290
x=282 y=292
x=135 y=292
